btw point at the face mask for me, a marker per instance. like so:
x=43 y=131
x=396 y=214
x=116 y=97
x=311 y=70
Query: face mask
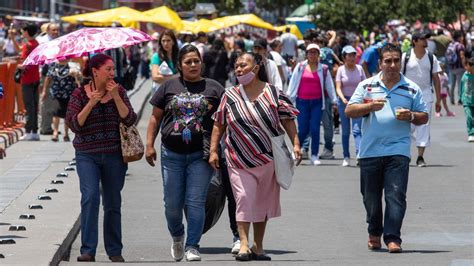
x=245 y=79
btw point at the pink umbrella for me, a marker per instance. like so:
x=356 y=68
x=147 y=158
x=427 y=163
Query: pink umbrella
x=84 y=42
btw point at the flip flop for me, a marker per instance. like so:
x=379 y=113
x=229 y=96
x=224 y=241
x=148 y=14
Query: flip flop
x=247 y=256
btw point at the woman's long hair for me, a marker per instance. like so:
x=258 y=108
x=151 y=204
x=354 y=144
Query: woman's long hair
x=258 y=60
x=174 y=50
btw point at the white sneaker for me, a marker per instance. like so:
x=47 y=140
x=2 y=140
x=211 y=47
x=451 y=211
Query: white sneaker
x=177 y=249
x=346 y=162
x=236 y=247
x=35 y=137
x=470 y=138
x=326 y=154
x=26 y=137
x=315 y=160
x=192 y=254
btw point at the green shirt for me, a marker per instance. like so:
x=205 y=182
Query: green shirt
x=155 y=60
x=466 y=89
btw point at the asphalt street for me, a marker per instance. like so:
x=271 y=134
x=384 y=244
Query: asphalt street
x=323 y=219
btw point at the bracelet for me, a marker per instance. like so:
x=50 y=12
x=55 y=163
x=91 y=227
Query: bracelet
x=412 y=117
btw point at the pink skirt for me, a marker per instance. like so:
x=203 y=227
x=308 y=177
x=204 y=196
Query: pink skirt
x=256 y=192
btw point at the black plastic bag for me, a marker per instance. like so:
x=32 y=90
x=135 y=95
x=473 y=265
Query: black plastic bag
x=215 y=201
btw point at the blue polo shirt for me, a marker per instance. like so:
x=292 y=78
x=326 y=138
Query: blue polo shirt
x=371 y=57
x=382 y=133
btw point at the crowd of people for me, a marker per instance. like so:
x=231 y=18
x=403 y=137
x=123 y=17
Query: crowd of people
x=217 y=102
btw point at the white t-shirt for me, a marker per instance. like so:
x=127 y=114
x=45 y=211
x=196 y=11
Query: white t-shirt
x=418 y=70
x=288 y=42
x=273 y=74
x=280 y=61
x=43 y=38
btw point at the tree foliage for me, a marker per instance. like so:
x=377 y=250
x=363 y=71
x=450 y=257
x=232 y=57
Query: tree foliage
x=364 y=14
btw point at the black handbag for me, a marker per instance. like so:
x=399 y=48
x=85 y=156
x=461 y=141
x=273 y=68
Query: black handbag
x=17 y=75
x=129 y=78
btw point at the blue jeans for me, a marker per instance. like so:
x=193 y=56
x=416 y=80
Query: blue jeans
x=346 y=128
x=328 y=125
x=388 y=174
x=186 y=178
x=309 y=120
x=108 y=169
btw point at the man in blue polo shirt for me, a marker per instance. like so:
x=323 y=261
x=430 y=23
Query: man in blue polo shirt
x=389 y=103
x=370 y=59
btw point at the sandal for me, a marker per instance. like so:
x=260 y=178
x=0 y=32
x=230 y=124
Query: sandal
x=255 y=256
x=55 y=138
x=247 y=256
x=66 y=138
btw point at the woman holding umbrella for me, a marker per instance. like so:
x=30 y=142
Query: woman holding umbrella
x=94 y=114
x=182 y=109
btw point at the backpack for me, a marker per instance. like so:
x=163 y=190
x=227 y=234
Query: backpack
x=451 y=54
x=430 y=57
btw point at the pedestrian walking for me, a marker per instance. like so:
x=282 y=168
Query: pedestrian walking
x=467 y=97
x=370 y=59
x=271 y=68
x=182 y=109
x=164 y=61
x=443 y=93
x=289 y=42
x=454 y=59
x=248 y=149
x=308 y=84
x=94 y=113
x=389 y=103
x=30 y=80
x=59 y=84
x=422 y=67
x=216 y=62
x=347 y=78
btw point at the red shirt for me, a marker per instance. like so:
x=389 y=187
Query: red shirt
x=30 y=73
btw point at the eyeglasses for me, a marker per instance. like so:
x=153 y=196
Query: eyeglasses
x=191 y=62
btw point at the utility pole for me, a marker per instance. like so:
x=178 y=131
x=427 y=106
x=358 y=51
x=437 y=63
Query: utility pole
x=52 y=10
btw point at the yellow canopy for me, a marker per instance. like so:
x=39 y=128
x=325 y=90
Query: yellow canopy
x=204 y=25
x=165 y=17
x=249 y=19
x=126 y=16
x=293 y=29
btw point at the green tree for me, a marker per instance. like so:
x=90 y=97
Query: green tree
x=365 y=14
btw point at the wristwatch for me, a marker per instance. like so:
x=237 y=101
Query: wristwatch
x=412 y=117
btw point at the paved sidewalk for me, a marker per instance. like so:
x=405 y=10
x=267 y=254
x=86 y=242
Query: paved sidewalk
x=323 y=220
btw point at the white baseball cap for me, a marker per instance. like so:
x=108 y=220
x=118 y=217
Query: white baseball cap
x=348 y=49
x=313 y=46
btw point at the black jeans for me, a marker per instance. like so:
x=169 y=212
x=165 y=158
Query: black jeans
x=388 y=174
x=31 y=100
x=231 y=206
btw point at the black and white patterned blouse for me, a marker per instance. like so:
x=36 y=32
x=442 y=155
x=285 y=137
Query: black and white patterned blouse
x=62 y=83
